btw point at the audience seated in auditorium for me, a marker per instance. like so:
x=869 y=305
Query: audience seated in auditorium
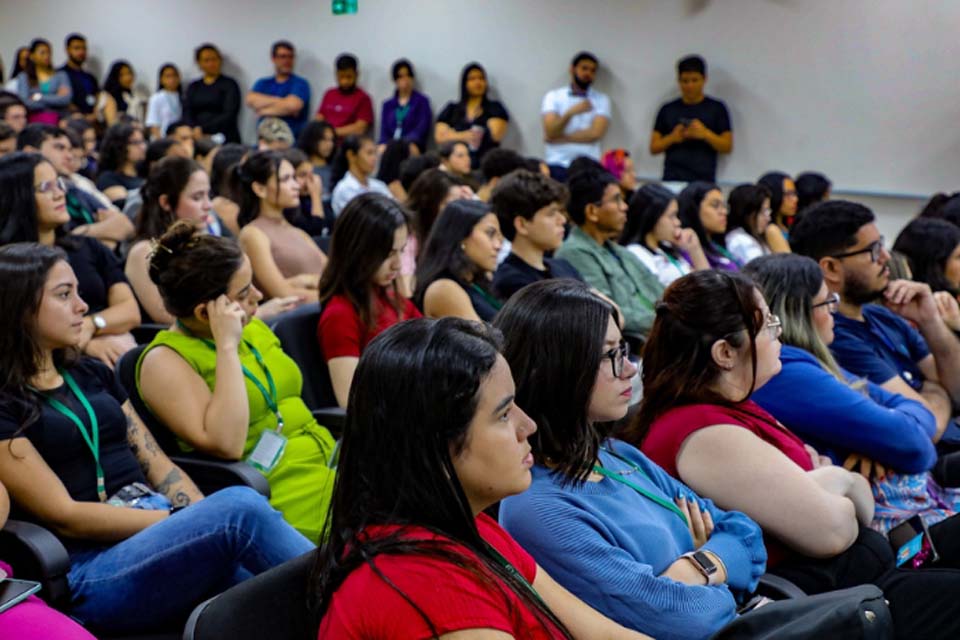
x=693 y=129
x=13 y=111
x=212 y=102
x=359 y=289
x=530 y=209
x=165 y=105
x=157 y=150
x=238 y=393
x=457 y=261
x=86 y=149
x=119 y=96
x=8 y=139
x=353 y=171
x=784 y=200
x=347 y=107
x=226 y=203
x=273 y=134
x=204 y=151
x=83 y=84
x=475 y=118
x=286 y=261
x=123 y=147
x=283 y=95
x=33 y=209
x=412 y=167
x=433 y=400
x=145 y=545
x=574 y=117
x=45 y=90
x=702 y=208
x=874 y=337
x=309 y=214
x=495 y=165
x=597 y=209
x=586 y=518
x=749 y=232
x=812 y=187
x=653 y=234
x=407 y=115
x=91 y=213
x=714 y=343
x=388 y=172
x=319 y=141
x=886 y=437
x=932 y=249
x=619 y=163
x=182 y=133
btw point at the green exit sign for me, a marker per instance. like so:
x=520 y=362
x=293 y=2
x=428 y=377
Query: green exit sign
x=343 y=7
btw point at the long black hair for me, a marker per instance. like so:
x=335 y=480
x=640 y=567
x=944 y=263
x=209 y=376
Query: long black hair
x=460 y=110
x=168 y=177
x=311 y=137
x=229 y=155
x=413 y=397
x=362 y=239
x=258 y=167
x=745 y=202
x=341 y=161
x=689 y=202
x=396 y=152
x=443 y=256
x=554 y=385
x=113 y=149
x=927 y=243
x=647 y=205
x=112 y=84
x=424 y=198
x=18 y=201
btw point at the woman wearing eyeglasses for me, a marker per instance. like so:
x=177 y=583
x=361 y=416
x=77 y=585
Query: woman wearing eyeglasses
x=607 y=523
x=703 y=209
x=713 y=344
x=859 y=425
x=33 y=209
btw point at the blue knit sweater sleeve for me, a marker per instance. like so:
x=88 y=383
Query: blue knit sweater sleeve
x=883 y=426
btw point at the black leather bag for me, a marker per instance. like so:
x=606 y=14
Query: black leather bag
x=857 y=612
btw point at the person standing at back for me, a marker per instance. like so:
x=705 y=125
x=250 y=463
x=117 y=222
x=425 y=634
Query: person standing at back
x=574 y=117
x=84 y=84
x=346 y=106
x=693 y=129
x=284 y=95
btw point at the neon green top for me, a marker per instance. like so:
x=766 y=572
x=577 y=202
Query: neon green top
x=301 y=483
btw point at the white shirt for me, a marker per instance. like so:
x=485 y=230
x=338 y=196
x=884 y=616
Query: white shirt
x=558 y=101
x=164 y=107
x=349 y=187
x=744 y=247
x=660 y=265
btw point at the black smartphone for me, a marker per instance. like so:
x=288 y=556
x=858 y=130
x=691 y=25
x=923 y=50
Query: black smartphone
x=686 y=121
x=912 y=544
x=15 y=591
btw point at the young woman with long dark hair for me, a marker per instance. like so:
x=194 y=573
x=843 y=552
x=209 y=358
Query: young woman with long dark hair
x=475 y=118
x=145 y=545
x=598 y=510
x=750 y=234
x=703 y=210
x=784 y=200
x=123 y=148
x=45 y=90
x=432 y=404
x=359 y=290
x=713 y=343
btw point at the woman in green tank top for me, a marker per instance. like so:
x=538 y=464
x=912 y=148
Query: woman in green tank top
x=219 y=379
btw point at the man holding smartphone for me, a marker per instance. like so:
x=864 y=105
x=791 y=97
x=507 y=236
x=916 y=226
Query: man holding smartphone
x=692 y=129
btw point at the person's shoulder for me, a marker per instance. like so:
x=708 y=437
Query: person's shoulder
x=671 y=105
x=714 y=102
x=90 y=372
x=790 y=353
x=561 y=268
x=877 y=312
x=337 y=308
x=265 y=83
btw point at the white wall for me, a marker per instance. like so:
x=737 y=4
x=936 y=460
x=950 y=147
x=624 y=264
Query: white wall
x=859 y=89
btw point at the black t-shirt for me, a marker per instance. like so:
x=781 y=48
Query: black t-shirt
x=108 y=179
x=214 y=107
x=85 y=89
x=97 y=269
x=59 y=442
x=514 y=274
x=455 y=116
x=693 y=159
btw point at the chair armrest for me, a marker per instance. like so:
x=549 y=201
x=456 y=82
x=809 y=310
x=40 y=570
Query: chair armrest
x=190 y=629
x=37 y=554
x=145 y=332
x=333 y=418
x=212 y=475
x=777 y=588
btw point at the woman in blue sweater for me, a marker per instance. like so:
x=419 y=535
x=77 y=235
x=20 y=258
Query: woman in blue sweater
x=606 y=522
x=859 y=425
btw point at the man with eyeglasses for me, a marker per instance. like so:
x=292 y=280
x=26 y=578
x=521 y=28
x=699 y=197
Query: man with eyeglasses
x=90 y=211
x=284 y=95
x=873 y=333
x=597 y=208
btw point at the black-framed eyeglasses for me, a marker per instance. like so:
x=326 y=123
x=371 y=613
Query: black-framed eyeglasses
x=618 y=358
x=875 y=248
x=832 y=303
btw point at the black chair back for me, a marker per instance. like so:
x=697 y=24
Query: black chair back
x=127 y=375
x=297 y=331
x=270 y=605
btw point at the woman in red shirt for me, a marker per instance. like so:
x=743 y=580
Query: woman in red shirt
x=359 y=288
x=432 y=439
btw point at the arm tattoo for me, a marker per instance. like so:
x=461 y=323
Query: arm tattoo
x=171 y=479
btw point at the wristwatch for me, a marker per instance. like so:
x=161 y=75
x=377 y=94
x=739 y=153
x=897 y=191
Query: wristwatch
x=701 y=560
x=99 y=323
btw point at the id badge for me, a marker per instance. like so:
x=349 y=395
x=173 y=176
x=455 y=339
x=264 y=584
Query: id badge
x=268 y=451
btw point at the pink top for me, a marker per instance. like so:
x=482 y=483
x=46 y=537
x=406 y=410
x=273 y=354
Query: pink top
x=293 y=251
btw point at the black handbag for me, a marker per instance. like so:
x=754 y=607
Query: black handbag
x=857 y=612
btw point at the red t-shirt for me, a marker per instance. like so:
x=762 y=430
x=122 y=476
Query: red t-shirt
x=668 y=432
x=341 y=109
x=452 y=597
x=341 y=333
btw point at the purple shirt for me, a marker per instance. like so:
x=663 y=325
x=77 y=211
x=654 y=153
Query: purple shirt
x=414 y=124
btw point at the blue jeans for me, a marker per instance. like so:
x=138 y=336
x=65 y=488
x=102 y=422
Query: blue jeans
x=159 y=575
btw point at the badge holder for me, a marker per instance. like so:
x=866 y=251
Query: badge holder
x=269 y=449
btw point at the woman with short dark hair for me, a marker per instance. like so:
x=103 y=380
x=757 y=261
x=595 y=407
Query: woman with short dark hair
x=212 y=102
x=407 y=115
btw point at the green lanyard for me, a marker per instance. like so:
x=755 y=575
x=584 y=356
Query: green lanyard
x=269 y=396
x=726 y=254
x=512 y=570
x=91 y=437
x=663 y=502
x=493 y=302
x=400 y=113
x=673 y=261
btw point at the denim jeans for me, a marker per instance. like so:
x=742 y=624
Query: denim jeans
x=155 y=578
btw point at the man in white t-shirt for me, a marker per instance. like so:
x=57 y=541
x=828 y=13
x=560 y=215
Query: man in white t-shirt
x=575 y=117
